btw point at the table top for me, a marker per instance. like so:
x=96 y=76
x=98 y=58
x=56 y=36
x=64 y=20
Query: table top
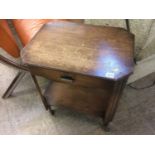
x=99 y=51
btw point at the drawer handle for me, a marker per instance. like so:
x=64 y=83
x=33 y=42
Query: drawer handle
x=66 y=78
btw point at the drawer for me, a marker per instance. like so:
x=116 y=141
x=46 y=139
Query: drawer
x=71 y=78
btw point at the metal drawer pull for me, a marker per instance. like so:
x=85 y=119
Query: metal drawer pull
x=66 y=78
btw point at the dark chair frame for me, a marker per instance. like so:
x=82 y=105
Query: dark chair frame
x=22 y=71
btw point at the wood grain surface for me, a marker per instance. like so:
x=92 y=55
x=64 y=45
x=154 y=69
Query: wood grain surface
x=103 y=52
x=85 y=100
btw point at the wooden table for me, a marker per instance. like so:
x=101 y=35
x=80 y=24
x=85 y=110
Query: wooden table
x=88 y=65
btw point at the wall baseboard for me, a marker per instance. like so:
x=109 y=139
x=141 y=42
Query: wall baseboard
x=143 y=68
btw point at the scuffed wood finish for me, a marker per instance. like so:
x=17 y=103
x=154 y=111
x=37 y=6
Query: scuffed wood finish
x=103 y=52
x=89 y=65
x=77 y=79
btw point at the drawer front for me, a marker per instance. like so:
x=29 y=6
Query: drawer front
x=71 y=78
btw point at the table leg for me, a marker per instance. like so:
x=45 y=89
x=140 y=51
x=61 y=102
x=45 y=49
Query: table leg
x=13 y=84
x=111 y=108
x=47 y=106
x=52 y=111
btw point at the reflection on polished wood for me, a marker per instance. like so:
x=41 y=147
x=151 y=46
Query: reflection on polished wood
x=104 y=52
x=90 y=64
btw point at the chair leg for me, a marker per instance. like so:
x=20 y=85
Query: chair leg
x=40 y=92
x=13 y=84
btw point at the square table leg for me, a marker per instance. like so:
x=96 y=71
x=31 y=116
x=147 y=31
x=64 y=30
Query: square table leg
x=47 y=106
x=113 y=103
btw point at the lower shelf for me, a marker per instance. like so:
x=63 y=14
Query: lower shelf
x=85 y=100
